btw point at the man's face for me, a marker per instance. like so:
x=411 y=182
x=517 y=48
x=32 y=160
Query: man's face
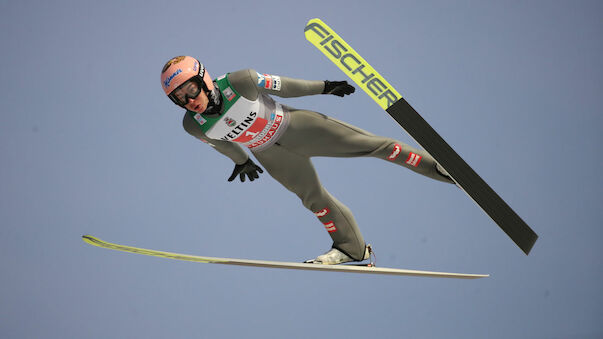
x=198 y=104
x=187 y=93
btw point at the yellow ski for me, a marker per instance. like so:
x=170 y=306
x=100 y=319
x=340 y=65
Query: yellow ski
x=277 y=264
x=365 y=76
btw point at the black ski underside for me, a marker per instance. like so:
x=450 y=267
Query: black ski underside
x=464 y=175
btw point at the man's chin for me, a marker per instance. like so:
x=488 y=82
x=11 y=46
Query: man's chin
x=196 y=109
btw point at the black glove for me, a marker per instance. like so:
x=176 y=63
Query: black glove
x=249 y=168
x=338 y=88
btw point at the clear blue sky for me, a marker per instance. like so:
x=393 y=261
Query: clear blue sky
x=90 y=145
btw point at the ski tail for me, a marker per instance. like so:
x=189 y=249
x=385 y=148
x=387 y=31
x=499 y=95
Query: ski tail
x=465 y=177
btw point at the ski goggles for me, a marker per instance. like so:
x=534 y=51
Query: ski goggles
x=190 y=89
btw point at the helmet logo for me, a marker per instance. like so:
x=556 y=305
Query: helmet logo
x=230 y=122
x=169 y=79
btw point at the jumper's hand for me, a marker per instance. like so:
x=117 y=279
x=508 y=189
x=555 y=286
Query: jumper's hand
x=249 y=168
x=338 y=88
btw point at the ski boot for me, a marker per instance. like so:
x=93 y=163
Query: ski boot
x=335 y=256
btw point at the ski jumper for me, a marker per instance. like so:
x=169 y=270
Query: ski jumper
x=283 y=139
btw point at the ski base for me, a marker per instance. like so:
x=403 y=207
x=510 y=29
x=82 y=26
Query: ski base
x=464 y=176
x=366 y=269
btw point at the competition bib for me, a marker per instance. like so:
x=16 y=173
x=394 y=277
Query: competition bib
x=251 y=123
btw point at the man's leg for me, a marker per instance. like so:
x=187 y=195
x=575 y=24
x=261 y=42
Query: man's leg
x=297 y=174
x=315 y=134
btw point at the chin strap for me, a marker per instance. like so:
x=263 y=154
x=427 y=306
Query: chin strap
x=215 y=100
